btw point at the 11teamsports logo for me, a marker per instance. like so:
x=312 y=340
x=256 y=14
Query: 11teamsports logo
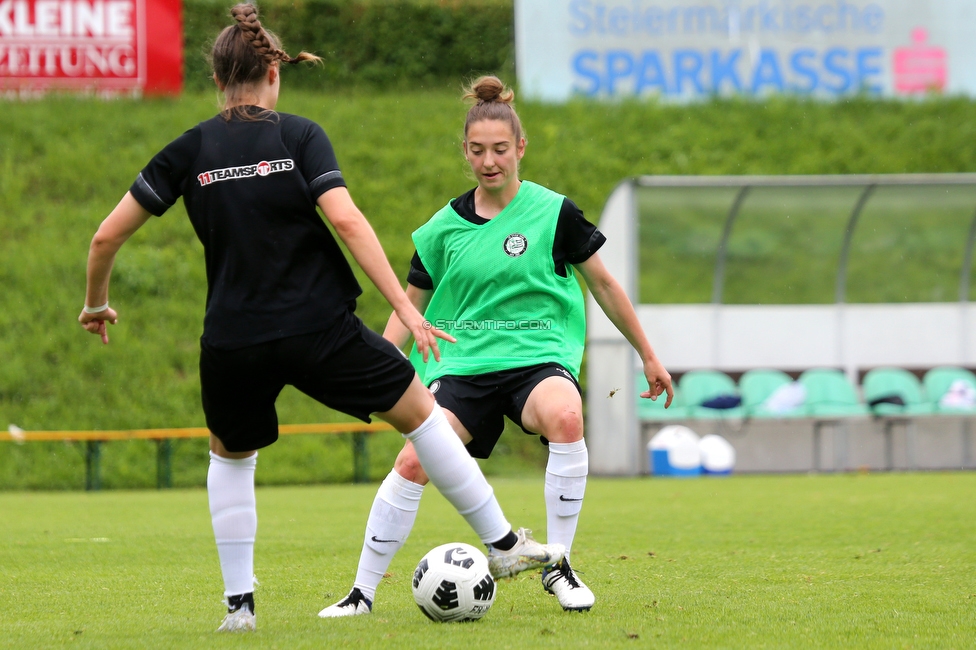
x=262 y=168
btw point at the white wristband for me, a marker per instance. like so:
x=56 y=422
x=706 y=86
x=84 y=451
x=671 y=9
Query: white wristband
x=95 y=310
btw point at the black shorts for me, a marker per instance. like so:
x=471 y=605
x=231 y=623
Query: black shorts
x=347 y=367
x=480 y=401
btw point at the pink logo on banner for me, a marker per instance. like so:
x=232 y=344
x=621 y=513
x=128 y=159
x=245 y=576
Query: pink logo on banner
x=920 y=68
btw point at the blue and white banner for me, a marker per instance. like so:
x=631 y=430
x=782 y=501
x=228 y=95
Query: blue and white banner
x=688 y=49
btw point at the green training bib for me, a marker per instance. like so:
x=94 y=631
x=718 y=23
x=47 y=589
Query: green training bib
x=497 y=292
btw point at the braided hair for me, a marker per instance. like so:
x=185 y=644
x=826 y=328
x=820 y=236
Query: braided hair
x=244 y=51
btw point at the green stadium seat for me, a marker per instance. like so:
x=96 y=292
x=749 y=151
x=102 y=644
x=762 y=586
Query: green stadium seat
x=830 y=394
x=757 y=385
x=698 y=386
x=937 y=382
x=879 y=383
x=653 y=410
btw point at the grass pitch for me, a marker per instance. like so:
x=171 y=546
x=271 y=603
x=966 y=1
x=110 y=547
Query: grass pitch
x=872 y=561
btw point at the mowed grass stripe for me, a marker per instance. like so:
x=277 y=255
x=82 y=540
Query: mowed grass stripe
x=873 y=560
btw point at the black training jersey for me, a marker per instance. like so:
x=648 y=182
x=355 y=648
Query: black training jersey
x=575 y=242
x=250 y=188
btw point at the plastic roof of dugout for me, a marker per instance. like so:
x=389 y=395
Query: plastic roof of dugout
x=806 y=239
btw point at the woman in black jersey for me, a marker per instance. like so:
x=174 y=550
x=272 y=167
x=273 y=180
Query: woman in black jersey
x=280 y=301
x=497 y=267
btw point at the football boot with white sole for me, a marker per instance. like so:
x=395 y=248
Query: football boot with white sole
x=240 y=614
x=526 y=554
x=355 y=604
x=562 y=582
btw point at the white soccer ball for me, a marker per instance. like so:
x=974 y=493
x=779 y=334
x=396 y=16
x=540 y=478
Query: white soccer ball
x=452 y=583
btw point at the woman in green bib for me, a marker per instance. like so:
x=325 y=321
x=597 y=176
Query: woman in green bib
x=495 y=268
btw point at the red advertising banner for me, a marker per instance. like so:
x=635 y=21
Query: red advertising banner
x=114 y=46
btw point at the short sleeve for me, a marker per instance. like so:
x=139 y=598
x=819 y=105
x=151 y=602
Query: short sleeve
x=418 y=275
x=576 y=238
x=161 y=182
x=315 y=156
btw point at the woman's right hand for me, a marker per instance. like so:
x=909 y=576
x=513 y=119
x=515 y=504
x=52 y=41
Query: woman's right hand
x=658 y=381
x=424 y=333
x=96 y=323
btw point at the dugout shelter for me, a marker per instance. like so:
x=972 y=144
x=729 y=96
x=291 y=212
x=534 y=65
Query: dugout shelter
x=786 y=273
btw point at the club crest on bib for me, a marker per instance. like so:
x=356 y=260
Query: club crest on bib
x=515 y=244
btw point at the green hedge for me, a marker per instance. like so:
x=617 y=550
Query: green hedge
x=369 y=43
x=65 y=162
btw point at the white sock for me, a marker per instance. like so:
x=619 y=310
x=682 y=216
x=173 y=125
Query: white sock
x=565 y=486
x=390 y=521
x=230 y=488
x=458 y=477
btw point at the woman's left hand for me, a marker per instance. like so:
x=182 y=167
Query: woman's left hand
x=659 y=381
x=424 y=333
x=96 y=323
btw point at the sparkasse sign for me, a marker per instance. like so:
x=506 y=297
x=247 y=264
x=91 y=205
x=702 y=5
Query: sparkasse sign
x=125 y=46
x=687 y=49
